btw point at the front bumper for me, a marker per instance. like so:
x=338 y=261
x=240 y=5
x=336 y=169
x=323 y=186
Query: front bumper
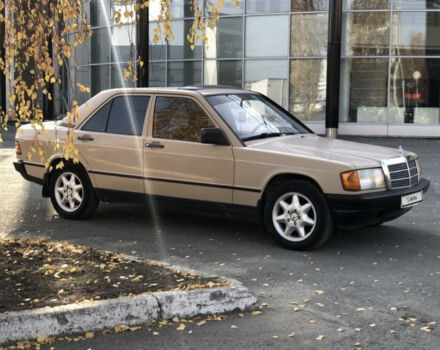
x=19 y=166
x=352 y=211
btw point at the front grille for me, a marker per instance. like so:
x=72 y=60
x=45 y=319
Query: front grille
x=403 y=174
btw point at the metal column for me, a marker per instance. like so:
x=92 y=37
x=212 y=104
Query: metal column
x=333 y=68
x=142 y=44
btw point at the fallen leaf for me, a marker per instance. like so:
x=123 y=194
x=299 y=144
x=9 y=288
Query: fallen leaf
x=426 y=329
x=234 y=326
x=320 y=337
x=340 y=330
x=319 y=292
x=256 y=313
x=291 y=335
x=181 y=327
x=89 y=335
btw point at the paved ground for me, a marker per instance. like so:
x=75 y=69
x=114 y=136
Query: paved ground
x=364 y=274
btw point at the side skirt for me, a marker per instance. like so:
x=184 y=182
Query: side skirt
x=180 y=204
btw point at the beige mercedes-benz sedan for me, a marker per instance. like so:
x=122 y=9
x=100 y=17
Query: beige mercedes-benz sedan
x=218 y=145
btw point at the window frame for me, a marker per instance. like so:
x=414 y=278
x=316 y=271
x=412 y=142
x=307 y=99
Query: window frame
x=206 y=111
x=111 y=100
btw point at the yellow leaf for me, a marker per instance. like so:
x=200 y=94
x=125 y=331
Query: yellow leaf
x=89 y=335
x=256 y=312
x=181 y=327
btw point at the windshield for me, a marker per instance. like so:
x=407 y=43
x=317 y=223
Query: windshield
x=253 y=116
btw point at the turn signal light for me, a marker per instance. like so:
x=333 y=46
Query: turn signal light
x=351 y=181
x=17 y=148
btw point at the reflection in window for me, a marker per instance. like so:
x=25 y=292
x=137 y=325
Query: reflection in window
x=415 y=91
x=99 y=13
x=156 y=74
x=309 y=35
x=81 y=75
x=100 y=78
x=364 y=90
x=417 y=33
x=228 y=7
x=366 y=34
x=366 y=4
x=416 y=4
x=269 y=77
x=310 y=5
x=266 y=36
x=223 y=73
x=226 y=40
x=100 y=46
x=178 y=118
x=184 y=73
x=308 y=80
x=258 y=6
x=180 y=48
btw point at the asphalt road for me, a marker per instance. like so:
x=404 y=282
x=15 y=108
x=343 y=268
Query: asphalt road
x=380 y=285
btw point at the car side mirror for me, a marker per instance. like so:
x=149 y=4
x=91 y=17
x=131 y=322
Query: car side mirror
x=214 y=136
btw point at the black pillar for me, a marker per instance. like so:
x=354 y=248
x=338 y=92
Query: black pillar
x=2 y=76
x=142 y=44
x=333 y=68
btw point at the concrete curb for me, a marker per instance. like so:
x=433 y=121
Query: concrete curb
x=139 y=309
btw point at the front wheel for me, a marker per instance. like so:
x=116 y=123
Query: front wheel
x=72 y=194
x=298 y=216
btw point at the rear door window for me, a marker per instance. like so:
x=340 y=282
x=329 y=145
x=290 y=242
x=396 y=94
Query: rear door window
x=127 y=115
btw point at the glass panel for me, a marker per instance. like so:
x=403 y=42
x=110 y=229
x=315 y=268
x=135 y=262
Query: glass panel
x=416 y=4
x=308 y=80
x=124 y=10
x=366 y=33
x=184 y=73
x=258 y=6
x=223 y=73
x=82 y=75
x=253 y=117
x=123 y=43
x=154 y=10
x=100 y=78
x=98 y=121
x=81 y=53
x=269 y=78
x=310 y=5
x=180 y=48
x=118 y=76
x=267 y=36
x=418 y=33
x=157 y=50
x=228 y=7
x=415 y=91
x=101 y=45
x=225 y=40
x=156 y=74
x=364 y=90
x=309 y=35
x=127 y=115
x=366 y=4
x=178 y=118
x=99 y=13
x=181 y=8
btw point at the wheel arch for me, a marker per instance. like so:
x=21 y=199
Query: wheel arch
x=278 y=179
x=52 y=166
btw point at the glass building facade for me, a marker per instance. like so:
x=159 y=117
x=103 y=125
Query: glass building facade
x=390 y=70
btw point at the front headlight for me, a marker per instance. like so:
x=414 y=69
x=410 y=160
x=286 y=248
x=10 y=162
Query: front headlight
x=365 y=179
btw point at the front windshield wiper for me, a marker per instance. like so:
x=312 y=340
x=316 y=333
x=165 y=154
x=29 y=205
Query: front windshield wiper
x=264 y=135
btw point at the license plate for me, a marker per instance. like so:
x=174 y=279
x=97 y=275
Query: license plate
x=411 y=199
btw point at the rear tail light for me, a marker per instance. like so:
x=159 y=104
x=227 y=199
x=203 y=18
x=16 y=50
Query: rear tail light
x=17 y=147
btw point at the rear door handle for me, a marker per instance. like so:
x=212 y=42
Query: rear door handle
x=154 y=145
x=85 y=138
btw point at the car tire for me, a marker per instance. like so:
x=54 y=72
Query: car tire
x=71 y=193
x=297 y=215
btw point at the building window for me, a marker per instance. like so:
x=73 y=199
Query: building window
x=366 y=4
x=184 y=73
x=224 y=73
x=267 y=36
x=308 y=80
x=270 y=6
x=308 y=35
x=364 y=90
x=415 y=91
x=310 y=5
x=226 y=40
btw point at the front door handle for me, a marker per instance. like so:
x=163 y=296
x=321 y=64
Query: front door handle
x=85 y=138
x=154 y=145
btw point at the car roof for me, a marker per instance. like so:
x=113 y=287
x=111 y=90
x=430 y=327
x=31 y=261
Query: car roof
x=201 y=90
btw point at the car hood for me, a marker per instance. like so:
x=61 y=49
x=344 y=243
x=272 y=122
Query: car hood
x=354 y=153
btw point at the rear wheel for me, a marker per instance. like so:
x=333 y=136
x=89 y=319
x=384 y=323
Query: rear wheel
x=72 y=194
x=297 y=215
